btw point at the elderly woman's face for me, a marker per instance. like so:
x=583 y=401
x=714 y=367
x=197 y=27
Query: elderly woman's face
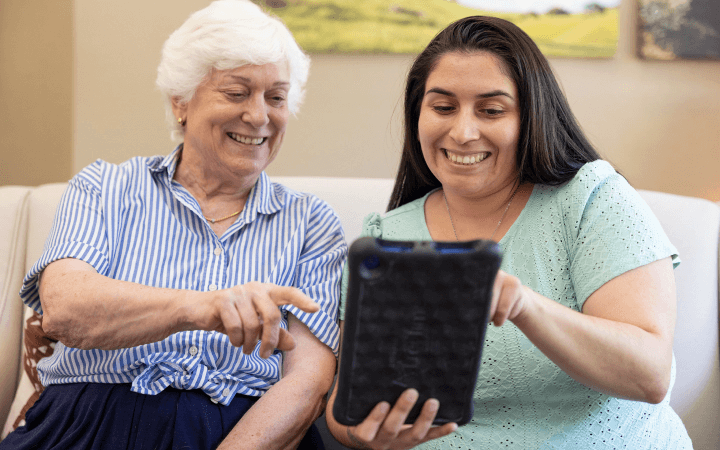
x=236 y=121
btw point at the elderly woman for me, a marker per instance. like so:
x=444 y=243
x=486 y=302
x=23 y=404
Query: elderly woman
x=580 y=354
x=170 y=282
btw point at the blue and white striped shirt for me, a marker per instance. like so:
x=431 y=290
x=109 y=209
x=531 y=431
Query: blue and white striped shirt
x=133 y=222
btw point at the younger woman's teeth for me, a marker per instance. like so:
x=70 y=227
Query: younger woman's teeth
x=246 y=140
x=471 y=159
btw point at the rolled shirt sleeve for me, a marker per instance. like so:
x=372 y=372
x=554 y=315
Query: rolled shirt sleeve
x=319 y=272
x=78 y=232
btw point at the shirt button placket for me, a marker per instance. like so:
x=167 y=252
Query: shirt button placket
x=217 y=251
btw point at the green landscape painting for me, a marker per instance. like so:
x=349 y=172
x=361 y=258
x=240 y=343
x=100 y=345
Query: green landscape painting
x=561 y=28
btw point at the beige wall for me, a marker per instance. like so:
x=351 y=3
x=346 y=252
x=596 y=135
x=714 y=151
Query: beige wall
x=35 y=91
x=658 y=122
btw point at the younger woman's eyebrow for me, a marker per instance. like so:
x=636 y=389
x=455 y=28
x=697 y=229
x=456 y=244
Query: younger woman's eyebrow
x=490 y=94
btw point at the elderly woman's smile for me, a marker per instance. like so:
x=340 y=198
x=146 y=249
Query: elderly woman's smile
x=236 y=120
x=246 y=140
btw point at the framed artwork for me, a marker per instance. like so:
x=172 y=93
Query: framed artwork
x=679 y=29
x=561 y=28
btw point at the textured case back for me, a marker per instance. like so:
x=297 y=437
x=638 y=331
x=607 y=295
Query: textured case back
x=416 y=317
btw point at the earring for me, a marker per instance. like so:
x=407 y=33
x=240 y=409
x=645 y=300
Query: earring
x=181 y=121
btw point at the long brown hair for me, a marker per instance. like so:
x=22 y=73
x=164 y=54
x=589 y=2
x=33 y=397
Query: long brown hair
x=551 y=146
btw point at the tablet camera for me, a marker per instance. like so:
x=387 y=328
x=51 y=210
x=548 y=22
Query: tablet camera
x=371 y=262
x=370 y=268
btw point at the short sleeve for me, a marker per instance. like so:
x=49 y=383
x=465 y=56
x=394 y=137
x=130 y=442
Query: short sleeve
x=319 y=272
x=613 y=230
x=78 y=231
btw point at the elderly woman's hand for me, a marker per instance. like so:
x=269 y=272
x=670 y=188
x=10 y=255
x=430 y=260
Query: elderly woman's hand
x=250 y=312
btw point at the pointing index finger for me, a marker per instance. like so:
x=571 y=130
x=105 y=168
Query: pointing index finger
x=285 y=295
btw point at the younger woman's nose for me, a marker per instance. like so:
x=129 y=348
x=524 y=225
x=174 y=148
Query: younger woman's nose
x=466 y=128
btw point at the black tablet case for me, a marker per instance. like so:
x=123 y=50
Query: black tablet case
x=416 y=316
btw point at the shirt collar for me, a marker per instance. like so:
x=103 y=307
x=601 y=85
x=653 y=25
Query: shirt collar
x=263 y=198
x=168 y=163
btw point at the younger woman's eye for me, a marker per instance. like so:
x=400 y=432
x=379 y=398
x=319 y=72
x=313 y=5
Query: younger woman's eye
x=443 y=108
x=493 y=111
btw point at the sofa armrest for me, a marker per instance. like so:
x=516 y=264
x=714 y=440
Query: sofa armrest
x=13 y=239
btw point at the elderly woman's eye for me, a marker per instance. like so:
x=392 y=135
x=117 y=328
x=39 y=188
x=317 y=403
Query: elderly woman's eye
x=236 y=94
x=277 y=99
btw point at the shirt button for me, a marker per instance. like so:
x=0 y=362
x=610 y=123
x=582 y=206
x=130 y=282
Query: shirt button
x=218 y=251
x=193 y=350
x=213 y=287
x=213 y=400
x=226 y=392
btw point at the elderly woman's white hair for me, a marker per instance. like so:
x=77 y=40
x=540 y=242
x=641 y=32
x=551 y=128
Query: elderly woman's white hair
x=226 y=35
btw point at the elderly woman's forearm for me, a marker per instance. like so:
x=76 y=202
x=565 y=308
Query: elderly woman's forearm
x=283 y=414
x=83 y=309
x=277 y=420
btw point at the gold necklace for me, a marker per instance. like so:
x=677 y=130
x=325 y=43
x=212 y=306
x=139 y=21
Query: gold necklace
x=222 y=218
x=496 y=226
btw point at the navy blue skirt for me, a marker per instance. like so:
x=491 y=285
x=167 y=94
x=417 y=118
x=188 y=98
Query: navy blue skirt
x=110 y=416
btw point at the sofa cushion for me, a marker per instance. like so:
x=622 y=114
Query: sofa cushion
x=351 y=198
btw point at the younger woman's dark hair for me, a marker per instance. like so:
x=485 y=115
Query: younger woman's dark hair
x=551 y=145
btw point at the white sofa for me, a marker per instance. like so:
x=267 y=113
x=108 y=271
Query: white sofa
x=693 y=225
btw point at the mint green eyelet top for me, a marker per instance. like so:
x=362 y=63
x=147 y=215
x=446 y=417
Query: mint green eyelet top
x=568 y=241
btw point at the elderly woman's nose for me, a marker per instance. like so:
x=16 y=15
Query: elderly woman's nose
x=465 y=128
x=256 y=112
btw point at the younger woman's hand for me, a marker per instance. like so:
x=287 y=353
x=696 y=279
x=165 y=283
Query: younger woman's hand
x=510 y=298
x=385 y=428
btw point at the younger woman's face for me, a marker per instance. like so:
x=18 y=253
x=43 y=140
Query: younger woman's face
x=469 y=124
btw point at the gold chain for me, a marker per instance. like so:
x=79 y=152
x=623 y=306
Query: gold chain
x=498 y=224
x=222 y=218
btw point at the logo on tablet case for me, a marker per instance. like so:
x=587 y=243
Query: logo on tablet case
x=412 y=345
